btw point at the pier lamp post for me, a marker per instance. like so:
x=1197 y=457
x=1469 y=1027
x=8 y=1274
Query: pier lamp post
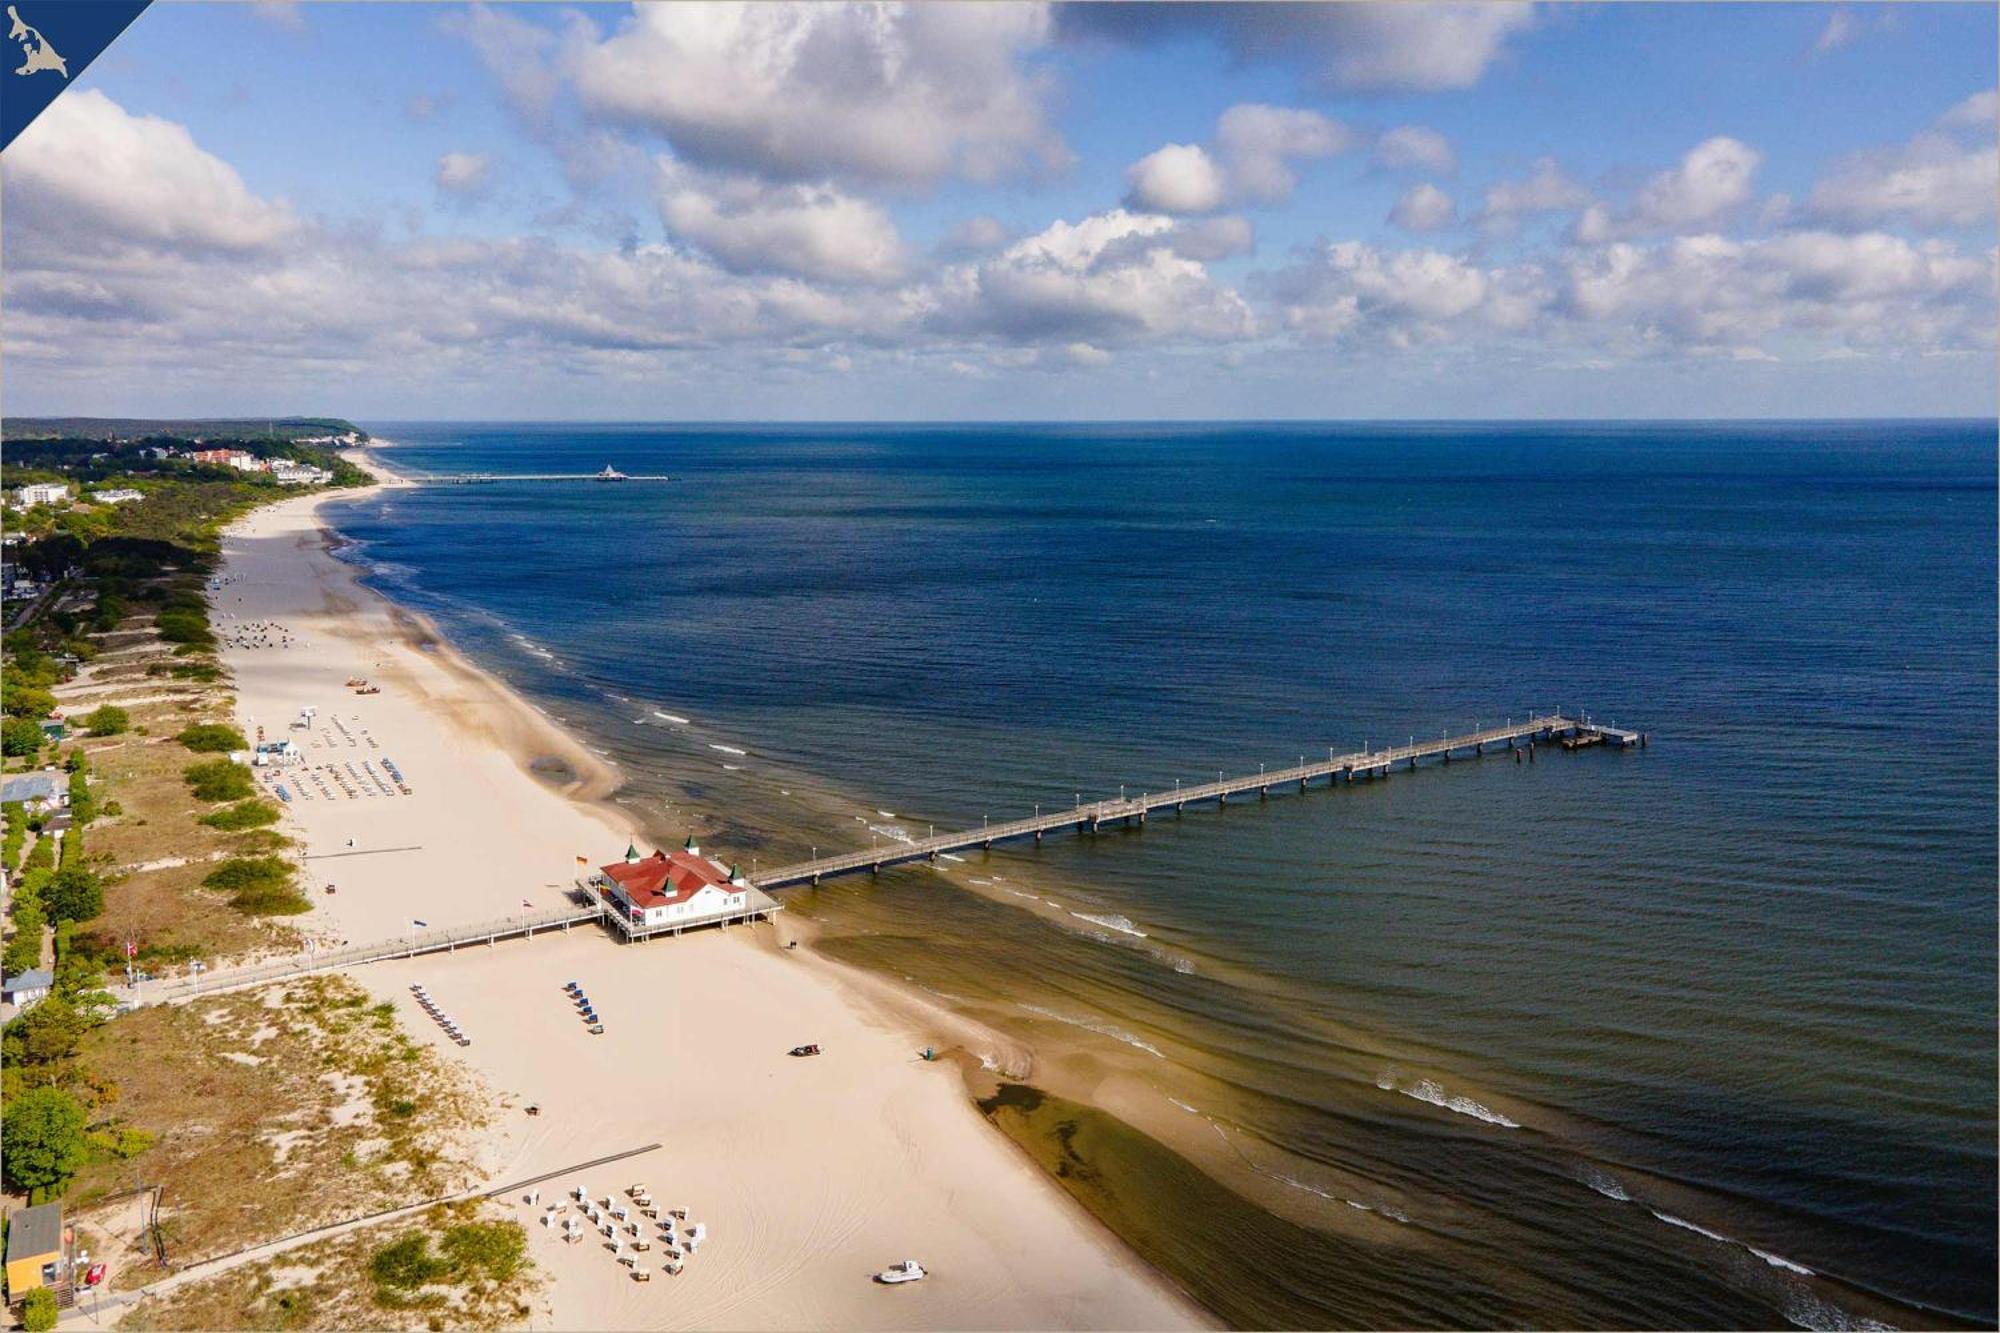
x=1121 y=791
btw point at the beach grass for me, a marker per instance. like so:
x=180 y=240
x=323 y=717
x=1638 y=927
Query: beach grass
x=274 y=1111
x=459 y=1266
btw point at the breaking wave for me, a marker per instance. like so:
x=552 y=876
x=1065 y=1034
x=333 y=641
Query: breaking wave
x=1101 y=1029
x=1775 y=1260
x=1428 y=1090
x=669 y=717
x=1605 y=1185
x=726 y=749
x=1122 y=924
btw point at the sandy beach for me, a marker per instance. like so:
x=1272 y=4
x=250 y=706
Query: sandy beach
x=811 y=1175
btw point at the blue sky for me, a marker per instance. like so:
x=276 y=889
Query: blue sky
x=384 y=210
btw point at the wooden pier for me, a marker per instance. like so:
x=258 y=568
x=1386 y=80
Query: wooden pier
x=1366 y=764
x=492 y=478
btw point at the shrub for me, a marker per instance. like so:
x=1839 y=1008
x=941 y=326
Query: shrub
x=82 y=804
x=24 y=951
x=17 y=834
x=406 y=1263
x=236 y=818
x=258 y=885
x=109 y=720
x=213 y=738
x=39 y=1311
x=220 y=780
x=189 y=627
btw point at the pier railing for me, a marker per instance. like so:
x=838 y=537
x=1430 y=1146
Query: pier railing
x=441 y=939
x=1364 y=763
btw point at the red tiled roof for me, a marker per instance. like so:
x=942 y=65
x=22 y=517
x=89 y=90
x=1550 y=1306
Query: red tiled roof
x=661 y=879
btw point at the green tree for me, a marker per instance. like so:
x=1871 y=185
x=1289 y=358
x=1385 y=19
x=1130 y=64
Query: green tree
x=46 y=1145
x=20 y=700
x=75 y=894
x=38 y=1311
x=20 y=735
x=108 y=720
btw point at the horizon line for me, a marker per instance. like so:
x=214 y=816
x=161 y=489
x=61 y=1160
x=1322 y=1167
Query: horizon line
x=14 y=418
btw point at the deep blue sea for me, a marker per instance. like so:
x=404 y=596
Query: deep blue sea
x=1696 y=1035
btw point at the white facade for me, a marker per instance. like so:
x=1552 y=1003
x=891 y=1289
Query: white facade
x=705 y=904
x=41 y=492
x=117 y=497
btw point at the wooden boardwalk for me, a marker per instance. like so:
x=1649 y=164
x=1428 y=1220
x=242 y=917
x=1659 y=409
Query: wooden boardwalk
x=490 y=478
x=1364 y=764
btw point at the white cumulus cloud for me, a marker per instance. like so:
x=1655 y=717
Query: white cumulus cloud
x=1415 y=148
x=885 y=93
x=1259 y=143
x=1933 y=180
x=1178 y=178
x=463 y=173
x=1424 y=207
x=88 y=173
x=813 y=231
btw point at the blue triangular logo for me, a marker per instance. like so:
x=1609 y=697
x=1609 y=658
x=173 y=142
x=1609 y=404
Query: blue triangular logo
x=49 y=43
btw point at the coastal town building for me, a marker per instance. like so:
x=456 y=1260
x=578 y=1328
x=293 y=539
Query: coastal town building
x=40 y=493
x=40 y=792
x=36 y=1248
x=118 y=496
x=24 y=989
x=682 y=888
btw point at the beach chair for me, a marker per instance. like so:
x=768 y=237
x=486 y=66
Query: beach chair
x=640 y=1274
x=642 y=1244
x=673 y=1267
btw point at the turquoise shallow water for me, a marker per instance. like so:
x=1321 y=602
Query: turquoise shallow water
x=1744 y=978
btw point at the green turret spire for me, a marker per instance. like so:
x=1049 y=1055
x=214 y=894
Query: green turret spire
x=631 y=853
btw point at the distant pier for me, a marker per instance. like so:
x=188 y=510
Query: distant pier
x=490 y=478
x=1335 y=769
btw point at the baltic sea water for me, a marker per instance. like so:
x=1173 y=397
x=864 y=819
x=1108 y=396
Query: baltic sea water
x=1696 y=1035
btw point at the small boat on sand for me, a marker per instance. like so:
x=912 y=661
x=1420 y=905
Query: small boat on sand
x=907 y=1271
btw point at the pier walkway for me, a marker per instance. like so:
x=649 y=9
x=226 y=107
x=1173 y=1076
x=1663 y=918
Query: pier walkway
x=584 y=906
x=1365 y=764
x=489 y=478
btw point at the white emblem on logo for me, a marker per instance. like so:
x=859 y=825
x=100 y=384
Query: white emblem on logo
x=37 y=55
